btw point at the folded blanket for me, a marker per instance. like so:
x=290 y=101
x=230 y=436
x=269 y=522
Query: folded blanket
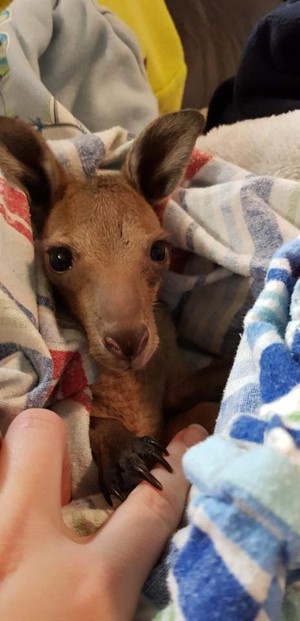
x=63 y=62
x=240 y=555
x=229 y=223
x=268 y=78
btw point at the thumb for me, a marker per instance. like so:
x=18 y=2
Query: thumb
x=133 y=539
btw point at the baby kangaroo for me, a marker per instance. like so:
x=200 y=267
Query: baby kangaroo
x=105 y=252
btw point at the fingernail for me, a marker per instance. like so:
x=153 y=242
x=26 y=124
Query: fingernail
x=193 y=434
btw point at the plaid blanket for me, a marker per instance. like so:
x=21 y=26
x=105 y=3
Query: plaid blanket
x=240 y=555
x=224 y=224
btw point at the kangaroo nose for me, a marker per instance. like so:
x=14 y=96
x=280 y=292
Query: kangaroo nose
x=127 y=344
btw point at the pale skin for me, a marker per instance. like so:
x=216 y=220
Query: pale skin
x=46 y=572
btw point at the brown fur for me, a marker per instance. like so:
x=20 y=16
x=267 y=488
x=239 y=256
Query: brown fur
x=109 y=226
x=128 y=280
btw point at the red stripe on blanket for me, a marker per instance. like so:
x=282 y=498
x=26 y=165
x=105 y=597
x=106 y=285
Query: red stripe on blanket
x=160 y=207
x=15 y=201
x=197 y=160
x=74 y=379
x=15 y=224
x=83 y=399
x=60 y=359
x=68 y=369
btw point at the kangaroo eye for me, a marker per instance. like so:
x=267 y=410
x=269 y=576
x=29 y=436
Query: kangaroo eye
x=60 y=259
x=158 y=251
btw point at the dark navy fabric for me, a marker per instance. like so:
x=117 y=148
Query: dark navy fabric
x=268 y=78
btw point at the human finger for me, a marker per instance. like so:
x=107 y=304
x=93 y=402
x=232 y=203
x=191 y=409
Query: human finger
x=133 y=539
x=34 y=464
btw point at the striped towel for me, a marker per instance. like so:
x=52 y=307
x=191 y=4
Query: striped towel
x=226 y=223
x=240 y=555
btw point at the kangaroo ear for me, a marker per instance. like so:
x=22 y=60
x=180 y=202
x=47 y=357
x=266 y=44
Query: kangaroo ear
x=157 y=159
x=27 y=161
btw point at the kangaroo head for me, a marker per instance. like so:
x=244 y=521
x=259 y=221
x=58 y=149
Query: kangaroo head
x=102 y=245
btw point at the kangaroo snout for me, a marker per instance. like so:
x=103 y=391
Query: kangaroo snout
x=127 y=344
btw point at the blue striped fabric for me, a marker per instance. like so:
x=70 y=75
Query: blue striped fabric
x=239 y=558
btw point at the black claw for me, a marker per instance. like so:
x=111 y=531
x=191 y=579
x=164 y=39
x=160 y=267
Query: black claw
x=117 y=493
x=141 y=469
x=163 y=462
x=112 y=490
x=156 y=445
x=106 y=494
x=130 y=466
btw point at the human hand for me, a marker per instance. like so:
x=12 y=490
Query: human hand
x=46 y=572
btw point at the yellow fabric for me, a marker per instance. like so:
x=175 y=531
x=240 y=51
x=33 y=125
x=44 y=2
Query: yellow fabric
x=3 y=4
x=160 y=46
